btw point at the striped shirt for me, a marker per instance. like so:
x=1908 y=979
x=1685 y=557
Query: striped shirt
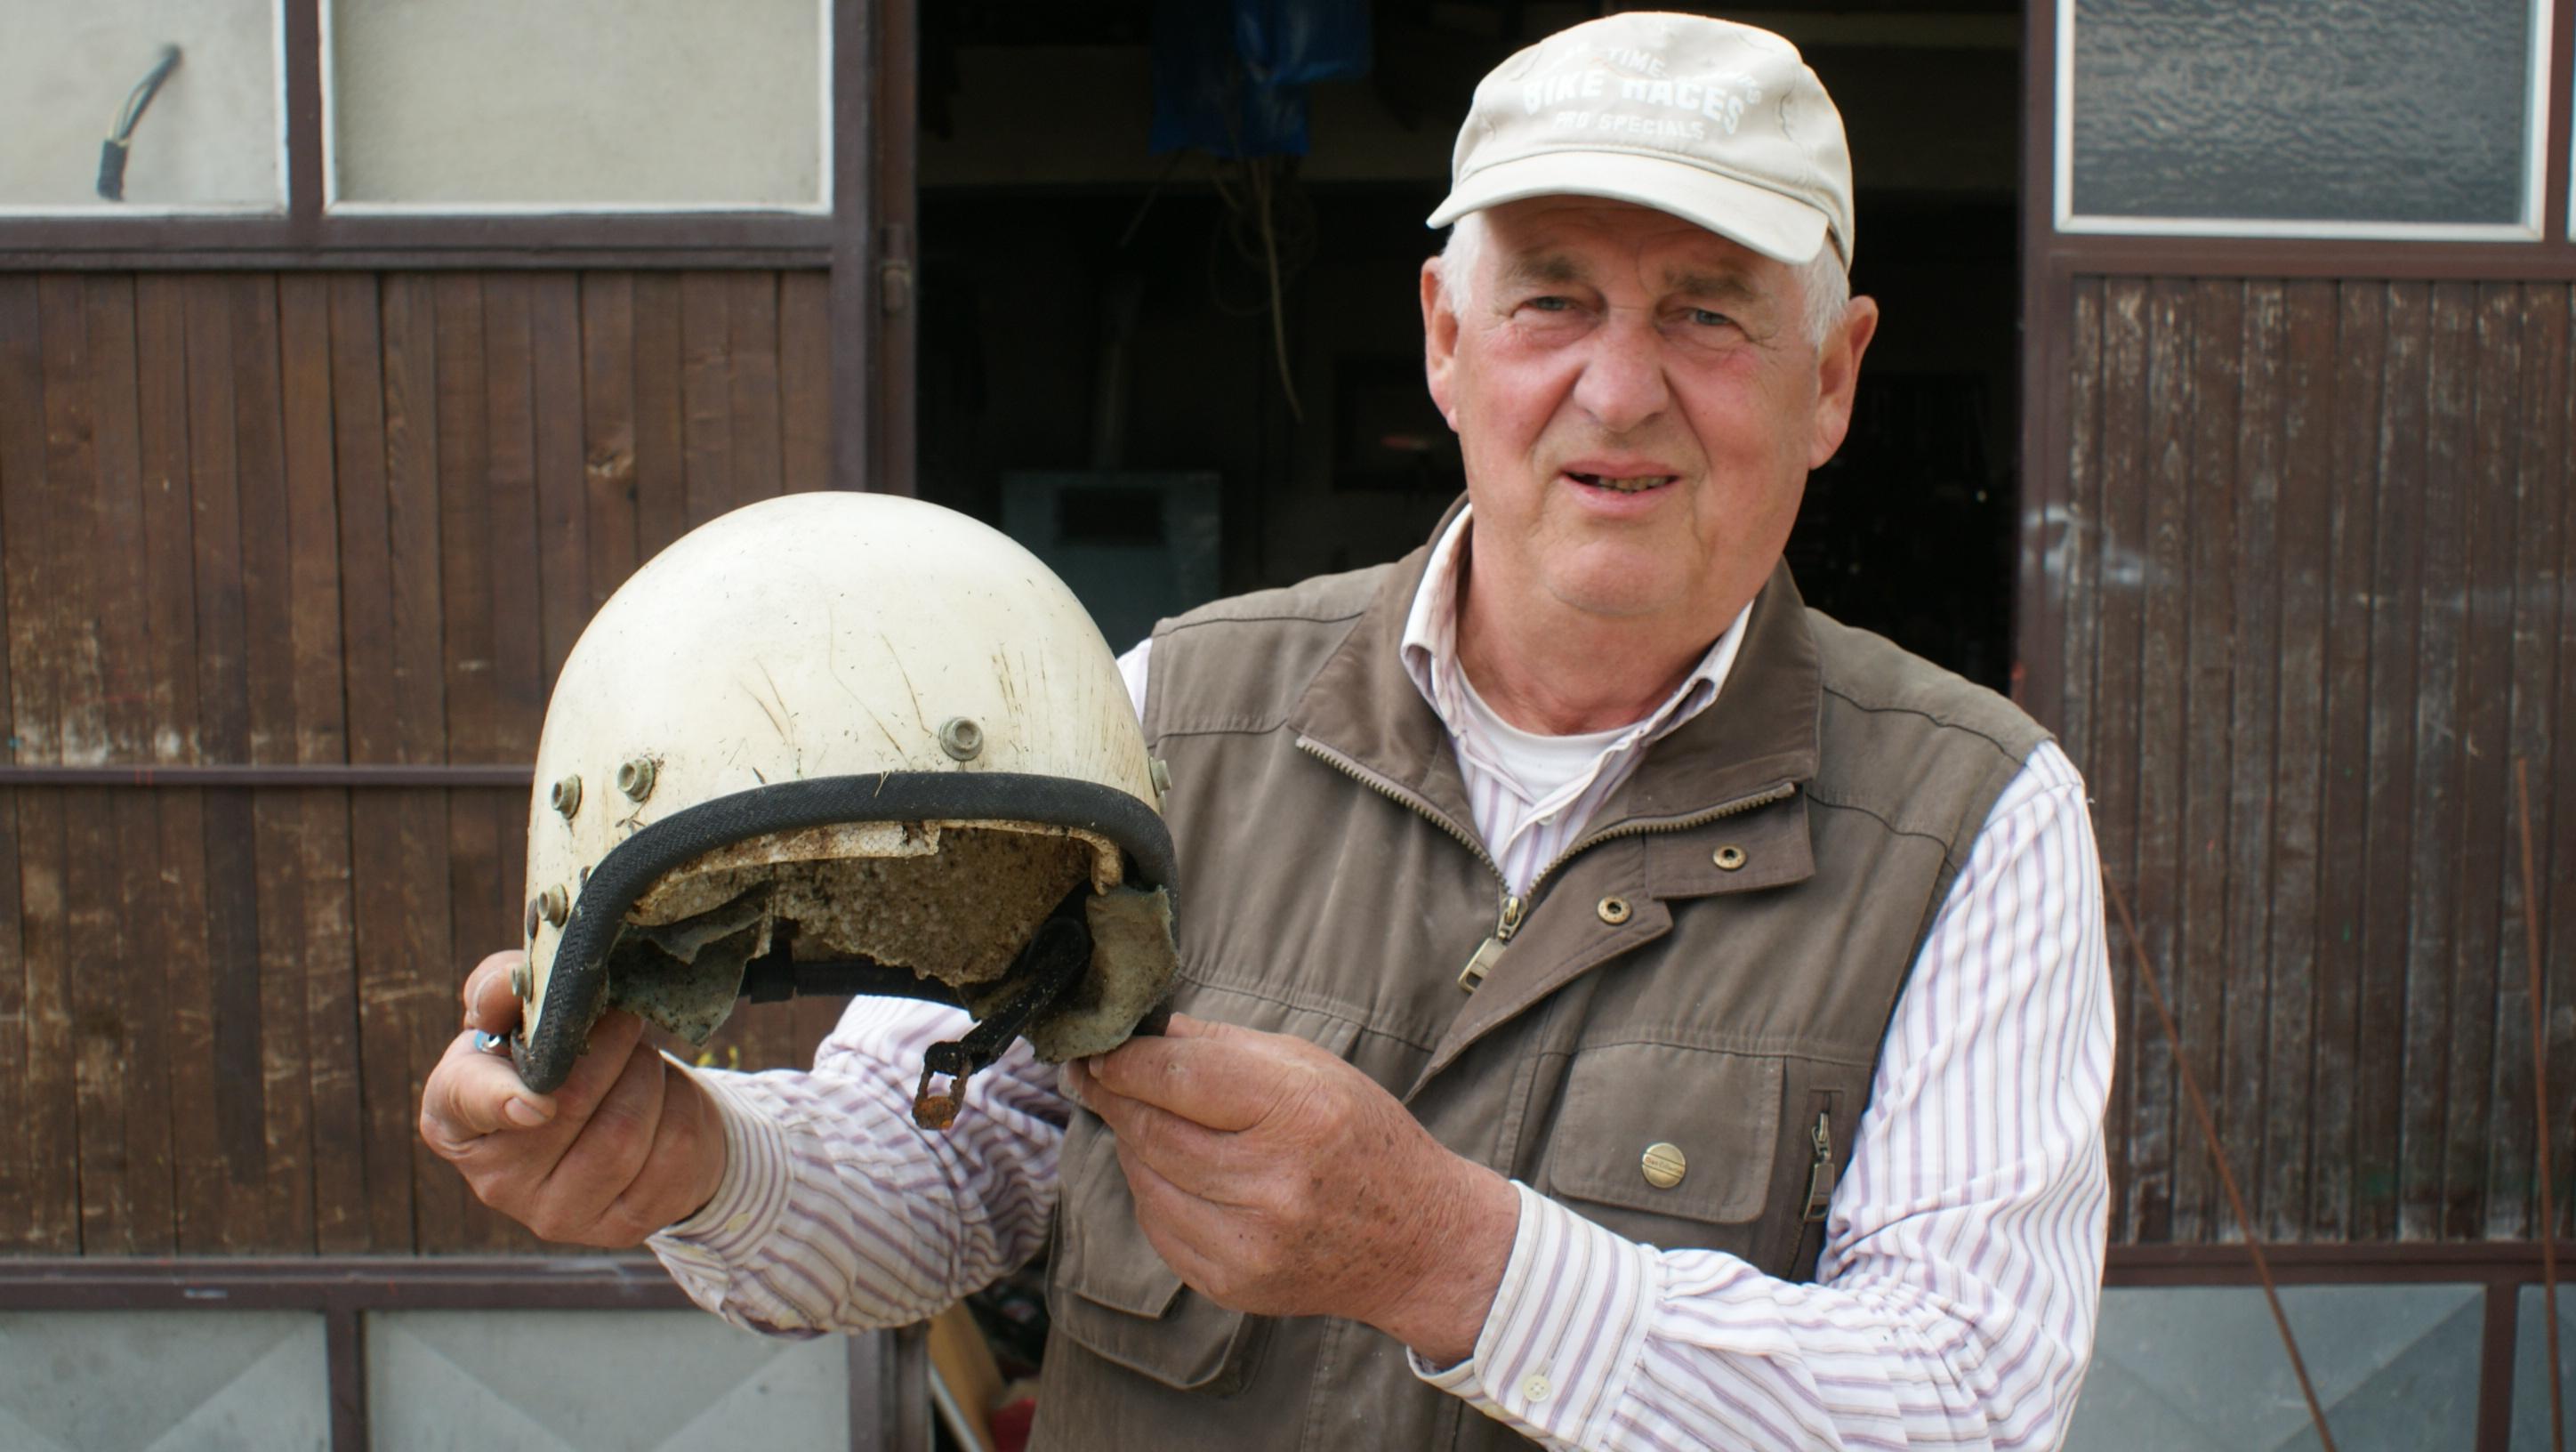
x=1955 y=1296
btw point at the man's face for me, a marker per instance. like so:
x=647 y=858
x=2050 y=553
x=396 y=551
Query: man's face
x=1638 y=402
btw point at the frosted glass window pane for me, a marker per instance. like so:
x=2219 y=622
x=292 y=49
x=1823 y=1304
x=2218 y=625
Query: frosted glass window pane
x=2531 y=1364
x=164 y=1381
x=2354 y=111
x=626 y=104
x=2201 y=1369
x=599 y=1381
x=209 y=138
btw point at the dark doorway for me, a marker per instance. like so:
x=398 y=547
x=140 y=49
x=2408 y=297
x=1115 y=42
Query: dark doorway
x=1096 y=328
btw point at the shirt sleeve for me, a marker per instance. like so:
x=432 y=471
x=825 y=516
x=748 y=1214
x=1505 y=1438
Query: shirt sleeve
x=836 y=1212
x=1961 y=1272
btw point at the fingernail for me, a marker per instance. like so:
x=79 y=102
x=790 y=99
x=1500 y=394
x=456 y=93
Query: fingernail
x=526 y=1113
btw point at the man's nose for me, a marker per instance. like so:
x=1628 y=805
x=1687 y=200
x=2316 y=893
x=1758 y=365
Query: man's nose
x=1623 y=383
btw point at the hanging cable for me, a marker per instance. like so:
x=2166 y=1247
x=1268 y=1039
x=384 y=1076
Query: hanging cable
x=2539 y=1016
x=120 y=137
x=2218 y=1156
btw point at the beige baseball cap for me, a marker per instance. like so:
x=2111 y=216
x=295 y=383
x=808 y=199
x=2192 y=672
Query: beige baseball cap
x=1717 y=123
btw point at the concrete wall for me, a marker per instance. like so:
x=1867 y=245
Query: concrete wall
x=210 y=137
x=579 y=101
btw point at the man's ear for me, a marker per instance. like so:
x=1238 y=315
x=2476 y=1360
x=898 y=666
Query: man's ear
x=1838 y=374
x=1439 y=341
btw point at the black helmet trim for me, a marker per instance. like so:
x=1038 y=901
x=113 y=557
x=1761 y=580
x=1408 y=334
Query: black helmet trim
x=577 y=984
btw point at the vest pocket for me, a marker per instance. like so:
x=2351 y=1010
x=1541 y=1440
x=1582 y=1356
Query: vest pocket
x=1714 y=1116
x=1109 y=1291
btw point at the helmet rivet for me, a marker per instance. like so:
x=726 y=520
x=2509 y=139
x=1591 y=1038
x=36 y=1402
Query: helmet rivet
x=556 y=904
x=1161 y=771
x=519 y=981
x=961 y=738
x=566 y=796
x=635 y=778
x=536 y=914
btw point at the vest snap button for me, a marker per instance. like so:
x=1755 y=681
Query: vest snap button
x=1729 y=857
x=1665 y=1165
x=1613 y=910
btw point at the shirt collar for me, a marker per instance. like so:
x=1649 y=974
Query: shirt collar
x=1430 y=650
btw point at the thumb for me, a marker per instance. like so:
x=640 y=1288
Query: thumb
x=473 y=1093
x=1185 y=1027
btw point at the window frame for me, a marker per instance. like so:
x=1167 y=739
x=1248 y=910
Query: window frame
x=333 y=205
x=313 y=231
x=2530 y=227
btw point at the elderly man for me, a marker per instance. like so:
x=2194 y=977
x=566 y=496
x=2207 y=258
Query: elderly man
x=1618 y=1001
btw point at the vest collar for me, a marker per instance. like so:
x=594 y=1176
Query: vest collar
x=1760 y=732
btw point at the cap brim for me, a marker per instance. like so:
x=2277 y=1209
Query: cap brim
x=1778 y=227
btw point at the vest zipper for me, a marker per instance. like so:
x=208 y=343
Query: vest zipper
x=1820 y=1193
x=1777 y=792
x=1507 y=920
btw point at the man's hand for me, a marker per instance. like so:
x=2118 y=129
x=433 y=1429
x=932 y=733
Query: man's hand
x=627 y=1146
x=1277 y=1179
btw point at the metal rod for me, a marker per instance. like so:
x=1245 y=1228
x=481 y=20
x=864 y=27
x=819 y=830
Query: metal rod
x=2540 y=1096
x=2218 y=1156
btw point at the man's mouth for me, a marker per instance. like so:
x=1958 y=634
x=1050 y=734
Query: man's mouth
x=1621 y=483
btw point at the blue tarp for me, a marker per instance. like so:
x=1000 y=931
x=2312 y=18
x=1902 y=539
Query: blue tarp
x=1230 y=76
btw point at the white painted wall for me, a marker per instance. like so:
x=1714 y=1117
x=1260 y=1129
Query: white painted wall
x=598 y=102
x=210 y=137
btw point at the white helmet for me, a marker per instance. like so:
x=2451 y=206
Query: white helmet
x=841 y=743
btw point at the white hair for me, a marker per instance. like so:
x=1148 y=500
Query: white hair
x=1824 y=284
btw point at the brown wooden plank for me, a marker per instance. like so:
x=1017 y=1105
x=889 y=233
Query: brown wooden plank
x=607 y=350
x=285 y=1220
x=518 y=638
x=706 y=396
x=177 y=908
x=2361 y=335
x=751 y=307
x=377 y=867
x=563 y=503
x=2432 y=911
x=229 y=1041
x=2204 y=493
x=2163 y=686
x=2478 y=861
x=2074 y=540
x=2387 y=822
x=661 y=463
x=2310 y=1067
x=805 y=379
x=117 y=570
x=2258 y=995
x=39 y=1067
x=2113 y=776
x=429 y=973
x=2555 y=796
x=2539 y=481
x=328 y=950
x=24 y=1171
x=467 y=533
x=95 y=978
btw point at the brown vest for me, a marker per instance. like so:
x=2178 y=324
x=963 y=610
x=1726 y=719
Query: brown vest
x=1780 y=859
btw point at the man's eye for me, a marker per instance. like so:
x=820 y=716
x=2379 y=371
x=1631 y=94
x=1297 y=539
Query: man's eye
x=1550 y=304
x=1707 y=318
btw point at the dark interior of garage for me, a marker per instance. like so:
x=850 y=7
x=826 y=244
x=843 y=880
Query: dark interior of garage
x=1101 y=367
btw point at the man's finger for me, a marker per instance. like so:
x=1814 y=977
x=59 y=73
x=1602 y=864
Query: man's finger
x=489 y=1003
x=1224 y=1081
x=1207 y=1163
x=614 y=1145
x=473 y=1093
x=612 y=1039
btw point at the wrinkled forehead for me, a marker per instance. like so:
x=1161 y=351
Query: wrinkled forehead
x=1590 y=240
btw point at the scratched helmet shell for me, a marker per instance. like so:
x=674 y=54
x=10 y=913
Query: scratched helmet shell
x=840 y=742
